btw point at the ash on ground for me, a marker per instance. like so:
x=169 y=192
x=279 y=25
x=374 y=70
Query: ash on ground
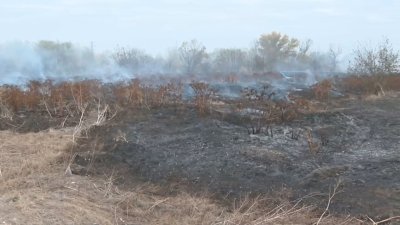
x=357 y=144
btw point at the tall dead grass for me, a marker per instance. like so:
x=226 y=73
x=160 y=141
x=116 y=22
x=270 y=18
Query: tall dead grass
x=376 y=84
x=70 y=98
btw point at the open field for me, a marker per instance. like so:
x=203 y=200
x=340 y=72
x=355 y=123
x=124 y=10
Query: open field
x=168 y=112
x=88 y=153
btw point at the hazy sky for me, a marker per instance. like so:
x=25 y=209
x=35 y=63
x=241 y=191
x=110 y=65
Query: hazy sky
x=156 y=25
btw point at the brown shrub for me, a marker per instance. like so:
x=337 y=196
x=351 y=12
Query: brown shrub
x=321 y=90
x=131 y=94
x=56 y=99
x=33 y=95
x=302 y=103
x=287 y=111
x=136 y=94
x=358 y=85
x=72 y=98
x=170 y=93
x=391 y=83
x=203 y=94
x=14 y=97
x=376 y=84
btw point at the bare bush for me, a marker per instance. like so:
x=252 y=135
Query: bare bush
x=260 y=110
x=382 y=60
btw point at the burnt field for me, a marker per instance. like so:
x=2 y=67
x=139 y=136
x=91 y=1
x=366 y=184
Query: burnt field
x=356 y=145
x=338 y=138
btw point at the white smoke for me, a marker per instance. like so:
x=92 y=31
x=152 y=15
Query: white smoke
x=22 y=61
x=19 y=62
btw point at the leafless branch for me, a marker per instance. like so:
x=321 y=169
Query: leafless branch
x=332 y=194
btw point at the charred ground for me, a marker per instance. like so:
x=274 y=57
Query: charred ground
x=231 y=148
x=357 y=144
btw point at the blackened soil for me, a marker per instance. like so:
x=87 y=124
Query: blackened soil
x=358 y=145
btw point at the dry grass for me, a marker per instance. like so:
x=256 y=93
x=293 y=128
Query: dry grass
x=376 y=84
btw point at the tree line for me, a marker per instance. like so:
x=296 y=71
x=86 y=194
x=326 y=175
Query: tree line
x=270 y=52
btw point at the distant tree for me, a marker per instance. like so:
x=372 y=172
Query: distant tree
x=379 y=61
x=191 y=54
x=320 y=62
x=304 y=47
x=54 y=46
x=62 y=57
x=253 y=59
x=324 y=63
x=303 y=59
x=274 y=48
x=172 y=62
x=131 y=58
x=334 y=54
x=229 y=61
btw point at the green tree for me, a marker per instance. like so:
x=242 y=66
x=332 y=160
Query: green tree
x=274 y=48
